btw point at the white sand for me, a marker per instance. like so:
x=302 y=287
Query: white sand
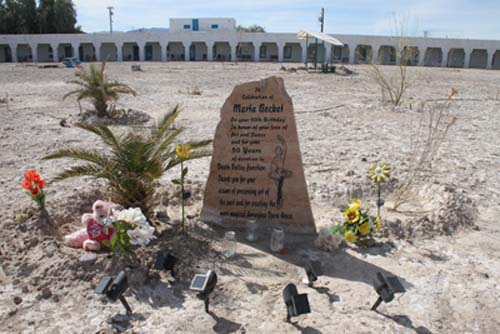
x=452 y=280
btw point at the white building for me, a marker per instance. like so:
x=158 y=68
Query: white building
x=216 y=39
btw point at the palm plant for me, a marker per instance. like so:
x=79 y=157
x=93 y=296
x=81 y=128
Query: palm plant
x=96 y=86
x=133 y=160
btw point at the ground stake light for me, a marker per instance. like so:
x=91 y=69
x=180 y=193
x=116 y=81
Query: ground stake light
x=296 y=304
x=313 y=271
x=165 y=262
x=386 y=287
x=114 y=288
x=205 y=285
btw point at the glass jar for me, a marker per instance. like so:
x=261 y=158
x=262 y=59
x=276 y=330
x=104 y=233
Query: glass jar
x=229 y=245
x=277 y=239
x=251 y=230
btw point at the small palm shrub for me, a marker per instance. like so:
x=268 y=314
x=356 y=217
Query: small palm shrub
x=97 y=87
x=133 y=161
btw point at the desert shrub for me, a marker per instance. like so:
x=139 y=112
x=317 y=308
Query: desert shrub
x=194 y=90
x=97 y=87
x=431 y=129
x=395 y=82
x=133 y=161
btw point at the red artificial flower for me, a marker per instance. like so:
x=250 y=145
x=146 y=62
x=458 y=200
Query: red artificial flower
x=34 y=184
x=284 y=251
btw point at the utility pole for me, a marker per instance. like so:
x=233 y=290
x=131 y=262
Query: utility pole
x=322 y=19
x=110 y=8
x=322 y=23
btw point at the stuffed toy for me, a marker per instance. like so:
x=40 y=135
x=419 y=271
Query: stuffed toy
x=94 y=232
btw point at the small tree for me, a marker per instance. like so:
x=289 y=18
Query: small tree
x=95 y=86
x=252 y=28
x=133 y=161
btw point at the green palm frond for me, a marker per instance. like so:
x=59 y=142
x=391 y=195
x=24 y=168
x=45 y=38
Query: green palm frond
x=166 y=122
x=92 y=156
x=103 y=132
x=77 y=171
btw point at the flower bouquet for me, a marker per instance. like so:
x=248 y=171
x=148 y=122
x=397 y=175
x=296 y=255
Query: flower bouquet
x=34 y=183
x=358 y=224
x=131 y=229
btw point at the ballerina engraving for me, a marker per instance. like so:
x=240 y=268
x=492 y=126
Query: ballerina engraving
x=277 y=171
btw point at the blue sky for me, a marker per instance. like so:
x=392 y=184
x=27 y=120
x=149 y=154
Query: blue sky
x=478 y=19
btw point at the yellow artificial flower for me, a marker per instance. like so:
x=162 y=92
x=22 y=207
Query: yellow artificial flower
x=350 y=237
x=351 y=215
x=183 y=151
x=379 y=172
x=378 y=226
x=364 y=228
x=355 y=204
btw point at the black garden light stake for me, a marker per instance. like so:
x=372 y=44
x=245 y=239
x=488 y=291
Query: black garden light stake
x=296 y=304
x=313 y=271
x=114 y=288
x=386 y=287
x=165 y=261
x=205 y=284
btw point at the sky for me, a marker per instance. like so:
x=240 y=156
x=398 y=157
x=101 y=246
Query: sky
x=475 y=19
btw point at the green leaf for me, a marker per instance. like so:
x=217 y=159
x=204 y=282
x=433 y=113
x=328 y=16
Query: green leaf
x=184 y=171
x=337 y=229
x=114 y=240
x=177 y=182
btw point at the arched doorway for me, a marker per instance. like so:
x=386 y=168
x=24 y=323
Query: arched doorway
x=175 y=51
x=198 y=51
x=245 y=51
x=433 y=57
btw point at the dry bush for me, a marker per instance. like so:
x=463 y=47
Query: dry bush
x=431 y=129
x=194 y=90
x=394 y=84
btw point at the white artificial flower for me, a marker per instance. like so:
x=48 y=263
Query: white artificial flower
x=134 y=216
x=327 y=240
x=141 y=236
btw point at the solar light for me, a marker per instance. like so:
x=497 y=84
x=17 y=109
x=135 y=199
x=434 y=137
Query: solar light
x=296 y=304
x=313 y=271
x=114 y=288
x=165 y=262
x=386 y=287
x=205 y=284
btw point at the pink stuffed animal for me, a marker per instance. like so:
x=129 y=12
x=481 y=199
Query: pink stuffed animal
x=94 y=233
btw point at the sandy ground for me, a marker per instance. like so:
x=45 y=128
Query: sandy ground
x=452 y=280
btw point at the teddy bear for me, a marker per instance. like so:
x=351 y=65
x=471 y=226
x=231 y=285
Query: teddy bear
x=94 y=232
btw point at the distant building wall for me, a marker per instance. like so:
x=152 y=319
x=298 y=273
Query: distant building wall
x=53 y=47
x=203 y=24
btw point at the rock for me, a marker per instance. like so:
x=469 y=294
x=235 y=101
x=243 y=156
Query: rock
x=18 y=300
x=88 y=258
x=162 y=216
x=25 y=289
x=272 y=176
x=350 y=173
x=46 y=293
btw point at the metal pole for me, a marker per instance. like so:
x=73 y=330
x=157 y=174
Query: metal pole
x=110 y=19
x=322 y=18
x=316 y=56
x=126 y=305
x=307 y=51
